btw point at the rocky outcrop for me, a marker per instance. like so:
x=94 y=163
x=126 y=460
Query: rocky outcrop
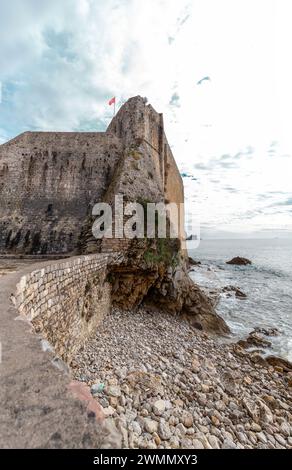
x=254 y=339
x=155 y=273
x=229 y=290
x=281 y=365
x=239 y=261
x=192 y=262
x=258 y=337
x=176 y=293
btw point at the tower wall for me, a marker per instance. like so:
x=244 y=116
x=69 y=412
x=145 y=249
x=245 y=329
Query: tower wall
x=49 y=181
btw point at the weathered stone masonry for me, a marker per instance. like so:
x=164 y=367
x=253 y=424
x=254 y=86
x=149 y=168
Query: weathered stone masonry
x=49 y=181
x=66 y=300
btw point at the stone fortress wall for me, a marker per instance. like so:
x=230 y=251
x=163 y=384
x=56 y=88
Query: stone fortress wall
x=66 y=300
x=49 y=181
x=140 y=122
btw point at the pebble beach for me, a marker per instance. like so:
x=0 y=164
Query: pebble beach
x=166 y=385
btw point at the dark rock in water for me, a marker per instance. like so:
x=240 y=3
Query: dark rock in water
x=254 y=339
x=267 y=331
x=279 y=363
x=192 y=237
x=192 y=262
x=239 y=261
x=238 y=293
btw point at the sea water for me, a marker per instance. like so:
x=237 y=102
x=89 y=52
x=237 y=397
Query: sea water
x=267 y=283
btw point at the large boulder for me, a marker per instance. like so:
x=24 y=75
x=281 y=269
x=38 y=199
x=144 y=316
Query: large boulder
x=239 y=261
x=228 y=290
x=255 y=338
x=192 y=262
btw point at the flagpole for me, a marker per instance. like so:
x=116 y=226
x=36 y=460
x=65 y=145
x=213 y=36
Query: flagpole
x=114 y=108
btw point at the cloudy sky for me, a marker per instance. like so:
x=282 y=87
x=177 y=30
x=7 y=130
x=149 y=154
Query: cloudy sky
x=60 y=62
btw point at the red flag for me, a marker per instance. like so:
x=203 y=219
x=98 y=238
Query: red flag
x=112 y=101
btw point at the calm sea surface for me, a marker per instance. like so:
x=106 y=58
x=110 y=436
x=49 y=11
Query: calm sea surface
x=267 y=283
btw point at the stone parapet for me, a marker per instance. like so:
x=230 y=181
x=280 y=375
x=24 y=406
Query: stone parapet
x=66 y=300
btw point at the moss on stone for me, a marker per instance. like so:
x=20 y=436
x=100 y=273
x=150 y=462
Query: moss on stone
x=163 y=250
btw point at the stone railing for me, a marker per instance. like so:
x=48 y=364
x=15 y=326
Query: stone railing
x=66 y=300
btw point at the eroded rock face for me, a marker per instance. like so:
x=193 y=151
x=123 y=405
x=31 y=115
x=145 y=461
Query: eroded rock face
x=177 y=293
x=154 y=271
x=146 y=276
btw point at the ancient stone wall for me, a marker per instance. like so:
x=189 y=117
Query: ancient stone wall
x=139 y=125
x=149 y=169
x=48 y=185
x=66 y=300
x=49 y=181
x=174 y=190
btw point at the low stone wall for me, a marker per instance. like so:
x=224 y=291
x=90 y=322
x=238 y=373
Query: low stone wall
x=36 y=390
x=66 y=300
